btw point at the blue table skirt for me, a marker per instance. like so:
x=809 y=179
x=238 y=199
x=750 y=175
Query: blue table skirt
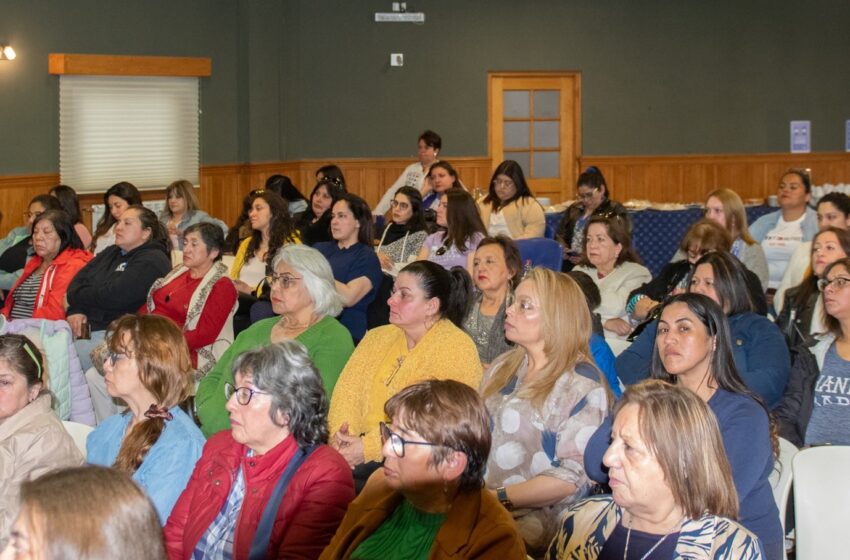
x=656 y=233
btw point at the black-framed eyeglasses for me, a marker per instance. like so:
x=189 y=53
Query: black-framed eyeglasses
x=243 y=394
x=397 y=442
x=114 y=357
x=286 y=279
x=589 y=195
x=839 y=283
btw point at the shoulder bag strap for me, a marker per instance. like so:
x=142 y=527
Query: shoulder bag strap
x=260 y=542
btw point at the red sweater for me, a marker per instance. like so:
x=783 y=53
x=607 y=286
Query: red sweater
x=312 y=508
x=54 y=283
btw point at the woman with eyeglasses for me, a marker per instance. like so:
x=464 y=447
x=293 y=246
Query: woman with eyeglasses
x=695 y=348
x=415 y=175
x=510 y=208
x=269 y=487
x=593 y=199
x=428 y=500
x=802 y=316
x=32 y=438
x=615 y=267
x=403 y=237
x=314 y=224
x=545 y=397
x=814 y=410
x=303 y=295
x=782 y=231
x=460 y=232
x=148 y=367
x=423 y=340
x=761 y=355
x=16 y=248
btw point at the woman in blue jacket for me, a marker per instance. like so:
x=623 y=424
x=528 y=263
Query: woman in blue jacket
x=761 y=355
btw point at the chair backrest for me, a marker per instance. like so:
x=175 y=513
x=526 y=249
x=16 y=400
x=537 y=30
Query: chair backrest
x=821 y=498
x=781 y=477
x=541 y=252
x=79 y=433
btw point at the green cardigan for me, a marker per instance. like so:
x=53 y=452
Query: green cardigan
x=328 y=343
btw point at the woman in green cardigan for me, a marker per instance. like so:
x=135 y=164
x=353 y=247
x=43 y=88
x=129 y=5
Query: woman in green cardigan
x=304 y=296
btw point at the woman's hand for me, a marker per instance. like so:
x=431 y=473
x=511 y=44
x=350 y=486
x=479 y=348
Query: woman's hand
x=350 y=447
x=242 y=287
x=427 y=187
x=387 y=263
x=643 y=308
x=618 y=326
x=76 y=321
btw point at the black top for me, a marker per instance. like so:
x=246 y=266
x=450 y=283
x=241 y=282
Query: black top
x=312 y=233
x=15 y=257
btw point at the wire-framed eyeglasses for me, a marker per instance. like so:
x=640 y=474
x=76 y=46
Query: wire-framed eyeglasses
x=286 y=280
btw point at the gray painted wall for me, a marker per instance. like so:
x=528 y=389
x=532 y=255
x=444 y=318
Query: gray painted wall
x=311 y=78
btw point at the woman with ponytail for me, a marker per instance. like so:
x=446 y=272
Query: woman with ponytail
x=148 y=367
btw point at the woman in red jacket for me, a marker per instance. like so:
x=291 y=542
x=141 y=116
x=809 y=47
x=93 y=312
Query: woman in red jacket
x=40 y=291
x=270 y=485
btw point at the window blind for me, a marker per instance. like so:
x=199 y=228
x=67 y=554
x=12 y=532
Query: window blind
x=138 y=129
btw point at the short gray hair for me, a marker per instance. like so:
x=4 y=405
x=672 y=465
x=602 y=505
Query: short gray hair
x=317 y=276
x=286 y=372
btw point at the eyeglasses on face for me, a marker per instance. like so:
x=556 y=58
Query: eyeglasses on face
x=503 y=182
x=524 y=306
x=243 y=394
x=397 y=443
x=115 y=357
x=399 y=205
x=286 y=280
x=588 y=195
x=838 y=283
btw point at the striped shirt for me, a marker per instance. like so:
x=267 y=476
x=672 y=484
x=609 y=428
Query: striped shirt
x=25 y=295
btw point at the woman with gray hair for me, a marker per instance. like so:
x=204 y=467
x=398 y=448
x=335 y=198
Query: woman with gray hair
x=270 y=486
x=304 y=295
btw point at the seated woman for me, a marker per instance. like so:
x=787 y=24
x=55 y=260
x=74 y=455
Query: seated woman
x=303 y=294
x=16 y=249
x=314 y=224
x=671 y=486
x=833 y=210
x=802 y=311
x=422 y=341
x=593 y=200
x=812 y=411
x=59 y=254
x=86 y=513
x=441 y=178
x=117 y=280
x=415 y=174
x=461 y=230
x=199 y=296
x=182 y=210
x=271 y=229
x=296 y=202
x=544 y=397
x=694 y=349
x=760 y=353
x=510 y=207
x=782 y=231
x=271 y=486
x=356 y=268
x=32 y=439
x=403 y=237
x=70 y=203
x=614 y=266
x=496 y=272
x=439 y=430
x=148 y=367
x=116 y=200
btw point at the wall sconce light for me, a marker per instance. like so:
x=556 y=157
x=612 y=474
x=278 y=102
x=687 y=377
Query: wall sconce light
x=7 y=53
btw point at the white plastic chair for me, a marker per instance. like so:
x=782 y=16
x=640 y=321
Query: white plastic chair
x=781 y=477
x=821 y=498
x=79 y=433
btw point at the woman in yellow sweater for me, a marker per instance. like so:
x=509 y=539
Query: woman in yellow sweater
x=424 y=340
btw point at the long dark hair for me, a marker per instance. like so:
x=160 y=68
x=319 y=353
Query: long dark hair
x=417 y=219
x=730 y=282
x=462 y=219
x=809 y=285
x=282 y=185
x=335 y=188
x=453 y=289
x=592 y=178
x=123 y=190
x=513 y=170
x=64 y=227
x=281 y=230
x=67 y=197
x=361 y=212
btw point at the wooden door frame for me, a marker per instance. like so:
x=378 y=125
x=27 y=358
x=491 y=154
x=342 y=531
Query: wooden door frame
x=495 y=139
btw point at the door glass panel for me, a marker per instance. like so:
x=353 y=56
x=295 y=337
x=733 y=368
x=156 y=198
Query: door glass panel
x=516 y=104
x=547 y=104
x=546 y=134
x=516 y=134
x=546 y=165
x=522 y=159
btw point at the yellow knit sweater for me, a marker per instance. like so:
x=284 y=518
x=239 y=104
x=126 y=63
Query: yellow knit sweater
x=445 y=352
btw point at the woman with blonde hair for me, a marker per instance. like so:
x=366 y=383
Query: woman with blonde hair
x=545 y=399
x=149 y=368
x=671 y=486
x=725 y=207
x=182 y=210
x=85 y=513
